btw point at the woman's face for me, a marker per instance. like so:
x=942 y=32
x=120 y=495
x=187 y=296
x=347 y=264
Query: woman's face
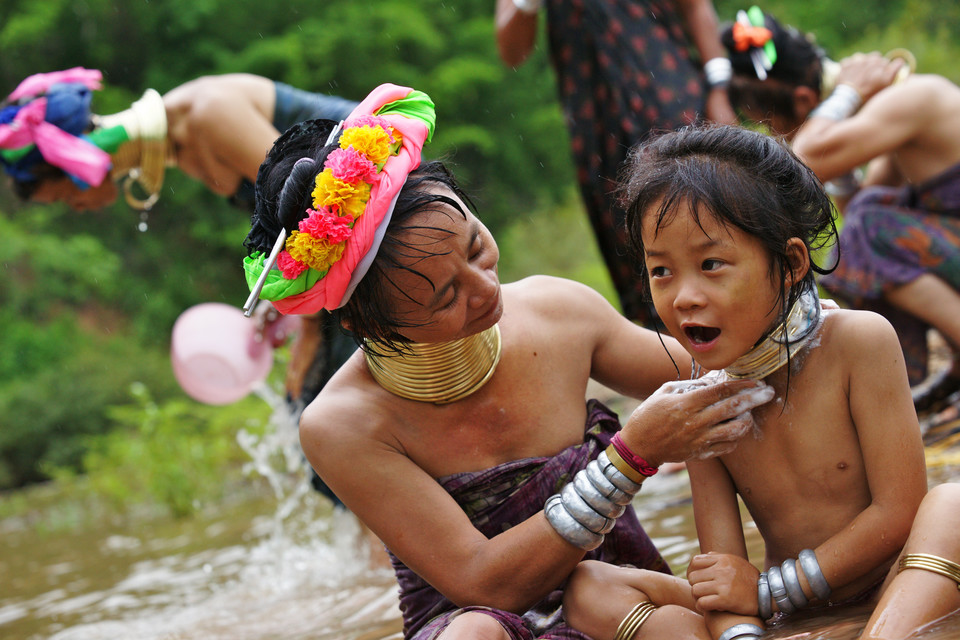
x=456 y=292
x=63 y=189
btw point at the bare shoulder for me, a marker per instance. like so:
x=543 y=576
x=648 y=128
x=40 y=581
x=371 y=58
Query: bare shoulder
x=549 y=294
x=345 y=412
x=916 y=97
x=855 y=332
x=852 y=324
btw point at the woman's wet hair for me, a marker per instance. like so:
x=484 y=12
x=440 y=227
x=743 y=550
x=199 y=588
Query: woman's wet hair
x=798 y=64
x=744 y=179
x=369 y=313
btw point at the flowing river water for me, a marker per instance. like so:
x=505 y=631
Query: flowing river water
x=282 y=564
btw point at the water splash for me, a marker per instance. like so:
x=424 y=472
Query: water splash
x=301 y=570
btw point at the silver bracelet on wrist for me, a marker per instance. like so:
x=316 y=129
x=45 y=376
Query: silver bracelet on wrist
x=616 y=476
x=743 y=631
x=583 y=513
x=764 y=597
x=567 y=526
x=779 y=591
x=788 y=571
x=593 y=497
x=530 y=7
x=811 y=570
x=605 y=487
x=719 y=72
x=839 y=105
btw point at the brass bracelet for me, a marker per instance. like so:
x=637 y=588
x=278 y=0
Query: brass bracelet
x=931 y=563
x=634 y=620
x=622 y=466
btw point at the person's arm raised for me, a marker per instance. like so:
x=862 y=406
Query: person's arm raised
x=347 y=442
x=837 y=137
x=225 y=131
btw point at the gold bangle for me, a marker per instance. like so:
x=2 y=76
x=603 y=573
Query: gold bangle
x=617 y=460
x=932 y=563
x=634 y=620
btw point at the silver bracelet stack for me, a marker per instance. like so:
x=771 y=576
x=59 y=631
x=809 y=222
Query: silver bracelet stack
x=719 y=72
x=781 y=584
x=744 y=631
x=764 y=598
x=811 y=569
x=588 y=507
x=839 y=105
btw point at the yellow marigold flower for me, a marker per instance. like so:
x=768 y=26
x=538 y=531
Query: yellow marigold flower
x=333 y=192
x=318 y=254
x=372 y=142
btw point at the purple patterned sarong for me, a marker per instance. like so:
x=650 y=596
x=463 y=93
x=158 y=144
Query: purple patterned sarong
x=498 y=498
x=892 y=236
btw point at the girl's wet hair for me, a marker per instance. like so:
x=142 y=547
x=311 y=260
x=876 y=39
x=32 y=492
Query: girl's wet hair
x=744 y=179
x=430 y=187
x=799 y=64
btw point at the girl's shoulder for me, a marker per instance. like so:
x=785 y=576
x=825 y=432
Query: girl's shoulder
x=857 y=329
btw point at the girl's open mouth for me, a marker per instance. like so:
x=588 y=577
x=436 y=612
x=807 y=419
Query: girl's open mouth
x=701 y=335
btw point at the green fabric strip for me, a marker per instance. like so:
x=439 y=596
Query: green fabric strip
x=109 y=139
x=277 y=287
x=417 y=105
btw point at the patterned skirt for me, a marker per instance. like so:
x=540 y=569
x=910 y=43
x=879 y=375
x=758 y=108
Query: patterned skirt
x=892 y=236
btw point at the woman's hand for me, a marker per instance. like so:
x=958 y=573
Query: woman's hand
x=271 y=325
x=694 y=418
x=724 y=582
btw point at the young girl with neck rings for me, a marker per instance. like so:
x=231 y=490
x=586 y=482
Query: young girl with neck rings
x=726 y=223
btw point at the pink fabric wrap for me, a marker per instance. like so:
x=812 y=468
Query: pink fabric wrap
x=76 y=156
x=38 y=83
x=329 y=291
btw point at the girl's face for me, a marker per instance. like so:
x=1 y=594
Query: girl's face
x=711 y=286
x=464 y=297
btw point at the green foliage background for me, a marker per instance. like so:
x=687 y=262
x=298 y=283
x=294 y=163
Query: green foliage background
x=87 y=302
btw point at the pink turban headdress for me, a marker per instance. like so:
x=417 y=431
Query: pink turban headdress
x=318 y=265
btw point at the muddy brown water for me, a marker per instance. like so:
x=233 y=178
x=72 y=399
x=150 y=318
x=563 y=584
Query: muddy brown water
x=282 y=564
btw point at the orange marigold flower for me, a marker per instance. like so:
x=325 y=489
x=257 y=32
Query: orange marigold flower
x=332 y=192
x=373 y=142
x=318 y=254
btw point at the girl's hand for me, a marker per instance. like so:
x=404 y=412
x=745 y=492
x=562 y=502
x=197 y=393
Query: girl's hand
x=724 y=582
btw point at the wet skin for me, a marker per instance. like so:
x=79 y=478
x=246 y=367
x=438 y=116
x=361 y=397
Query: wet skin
x=457 y=294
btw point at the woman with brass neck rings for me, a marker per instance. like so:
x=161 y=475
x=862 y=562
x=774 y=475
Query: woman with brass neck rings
x=454 y=428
